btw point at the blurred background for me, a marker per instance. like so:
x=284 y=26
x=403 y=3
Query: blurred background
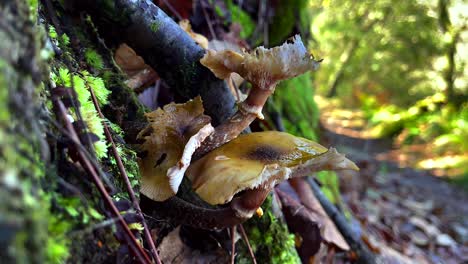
x=396 y=70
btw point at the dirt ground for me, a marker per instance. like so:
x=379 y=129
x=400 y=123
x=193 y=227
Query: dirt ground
x=410 y=215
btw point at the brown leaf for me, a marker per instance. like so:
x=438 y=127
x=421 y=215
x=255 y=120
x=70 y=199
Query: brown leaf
x=134 y=66
x=198 y=38
x=329 y=232
x=302 y=223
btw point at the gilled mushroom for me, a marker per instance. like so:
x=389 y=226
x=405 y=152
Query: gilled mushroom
x=255 y=163
x=173 y=135
x=263 y=68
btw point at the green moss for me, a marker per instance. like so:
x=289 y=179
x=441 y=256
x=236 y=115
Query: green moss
x=129 y=158
x=269 y=238
x=94 y=59
x=240 y=16
x=81 y=83
x=284 y=20
x=300 y=113
x=155 y=26
x=4 y=114
x=23 y=217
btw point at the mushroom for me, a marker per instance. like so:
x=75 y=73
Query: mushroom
x=263 y=68
x=254 y=163
x=173 y=135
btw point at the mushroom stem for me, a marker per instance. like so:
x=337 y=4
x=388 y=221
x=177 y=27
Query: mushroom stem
x=248 y=110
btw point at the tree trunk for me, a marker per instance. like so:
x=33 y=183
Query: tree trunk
x=23 y=152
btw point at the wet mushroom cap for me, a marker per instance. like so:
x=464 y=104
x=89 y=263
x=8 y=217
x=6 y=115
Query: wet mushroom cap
x=256 y=160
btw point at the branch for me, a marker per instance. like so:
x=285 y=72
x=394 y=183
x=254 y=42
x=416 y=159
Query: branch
x=164 y=46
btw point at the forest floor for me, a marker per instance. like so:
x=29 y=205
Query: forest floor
x=413 y=215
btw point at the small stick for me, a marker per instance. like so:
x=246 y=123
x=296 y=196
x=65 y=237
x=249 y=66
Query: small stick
x=246 y=239
x=208 y=21
x=172 y=9
x=139 y=253
x=233 y=246
x=124 y=175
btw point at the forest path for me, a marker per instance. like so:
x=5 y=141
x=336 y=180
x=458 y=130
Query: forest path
x=408 y=213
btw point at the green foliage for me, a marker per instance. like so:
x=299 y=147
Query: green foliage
x=286 y=16
x=94 y=59
x=81 y=83
x=330 y=185
x=300 y=113
x=240 y=16
x=430 y=120
x=269 y=238
x=377 y=47
x=61 y=41
x=57 y=243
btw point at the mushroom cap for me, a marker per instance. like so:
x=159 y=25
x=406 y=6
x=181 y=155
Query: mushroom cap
x=262 y=67
x=172 y=136
x=259 y=160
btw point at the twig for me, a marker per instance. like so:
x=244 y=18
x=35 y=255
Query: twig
x=207 y=19
x=139 y=253
x=172 y=9
x=233 y=244
x=124 y=175
x=363 y=253
x=246 y=239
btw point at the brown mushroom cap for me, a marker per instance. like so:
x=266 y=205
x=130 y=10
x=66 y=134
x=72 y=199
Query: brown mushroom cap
x=170 y=140
x=262 y=67
x=259 y=160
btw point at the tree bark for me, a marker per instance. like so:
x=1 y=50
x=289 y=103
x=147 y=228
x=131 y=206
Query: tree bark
x=164 y=46
x=23 y=210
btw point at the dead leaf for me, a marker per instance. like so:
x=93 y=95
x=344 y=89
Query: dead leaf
x=329 y=232
x=198 y=38
x=134 y=66
x=302 y=223
x=174 y=251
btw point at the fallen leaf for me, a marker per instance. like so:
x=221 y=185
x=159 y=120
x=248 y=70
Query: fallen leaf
x=302 y=223
x=198 y=38
x=329 y=231
x=138 y=72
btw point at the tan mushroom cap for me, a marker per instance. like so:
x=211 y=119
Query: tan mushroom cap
x=262 y=67
x=259 y=160
x=170 y=140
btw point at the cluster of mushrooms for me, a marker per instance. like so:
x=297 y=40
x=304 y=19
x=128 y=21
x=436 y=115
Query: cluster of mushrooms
x=224 y=168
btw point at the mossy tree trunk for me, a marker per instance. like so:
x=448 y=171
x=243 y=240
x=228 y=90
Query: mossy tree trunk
x=26 y=212
x=23 y=152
